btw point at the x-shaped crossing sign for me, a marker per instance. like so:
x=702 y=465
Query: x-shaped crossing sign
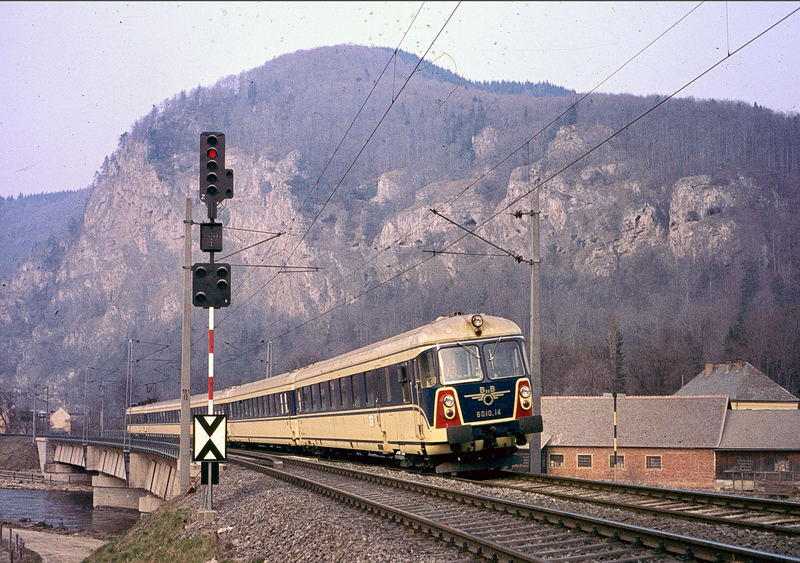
x=210 y=431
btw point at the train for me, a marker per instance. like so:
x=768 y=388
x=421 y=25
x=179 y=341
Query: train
x=453 y=395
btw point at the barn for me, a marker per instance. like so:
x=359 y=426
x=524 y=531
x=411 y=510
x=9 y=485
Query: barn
x=730 y=427
x=666 y=441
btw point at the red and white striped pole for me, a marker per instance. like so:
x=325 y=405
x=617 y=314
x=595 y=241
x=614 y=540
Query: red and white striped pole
x=211 y=360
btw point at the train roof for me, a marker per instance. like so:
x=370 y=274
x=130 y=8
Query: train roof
x=408 y=344
x=400 y=347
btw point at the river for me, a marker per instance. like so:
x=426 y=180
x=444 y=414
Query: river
x=72 y=510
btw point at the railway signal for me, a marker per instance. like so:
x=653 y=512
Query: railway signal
x=211 y=237
x=211 y=285
x=216 y=181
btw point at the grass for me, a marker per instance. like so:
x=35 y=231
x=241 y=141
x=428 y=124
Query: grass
x=154 y=539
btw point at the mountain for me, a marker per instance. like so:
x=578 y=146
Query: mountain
x=665 y=245
x=37 y=223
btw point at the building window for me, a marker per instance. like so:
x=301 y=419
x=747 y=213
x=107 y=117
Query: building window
x=556 y=460
x=653 y=462
x=584 y=460
x=744 y=464
x=620 y=461
x=783 y=464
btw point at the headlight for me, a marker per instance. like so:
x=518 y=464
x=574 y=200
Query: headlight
x=449 y=401
x=477 y=321
x=524 y=391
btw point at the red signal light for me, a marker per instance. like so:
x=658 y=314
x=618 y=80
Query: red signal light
x=212 y=153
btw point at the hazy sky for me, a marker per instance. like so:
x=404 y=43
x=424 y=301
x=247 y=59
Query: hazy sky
x=76 y=75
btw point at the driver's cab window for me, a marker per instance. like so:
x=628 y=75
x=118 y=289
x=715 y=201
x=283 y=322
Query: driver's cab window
x=460 y=364
x=426 y=365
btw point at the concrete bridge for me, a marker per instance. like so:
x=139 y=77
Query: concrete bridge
x=133 y=473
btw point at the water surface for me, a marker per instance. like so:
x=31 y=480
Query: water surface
x=68 y=509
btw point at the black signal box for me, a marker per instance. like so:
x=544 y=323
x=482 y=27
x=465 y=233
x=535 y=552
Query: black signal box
x=211 y=285
x=211 y=237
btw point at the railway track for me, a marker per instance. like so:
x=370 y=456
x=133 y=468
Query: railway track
x=775 y=516
x=489 y=527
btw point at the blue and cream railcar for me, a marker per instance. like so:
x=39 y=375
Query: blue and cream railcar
x=454 y=394
x=261 y=412
x=162 y=417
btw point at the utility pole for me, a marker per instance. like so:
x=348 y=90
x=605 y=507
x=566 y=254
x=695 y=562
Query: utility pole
x=269 y=359
x=33 y=418
x=535 y=463
x=102 y=405
x=126 y=437
x=85 y=407
x=184 y=476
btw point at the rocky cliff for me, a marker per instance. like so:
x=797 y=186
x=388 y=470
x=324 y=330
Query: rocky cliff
x=619 y=238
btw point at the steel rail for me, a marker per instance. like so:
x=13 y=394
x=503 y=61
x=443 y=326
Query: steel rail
x=637 y=536
x=759 y=507
x=474 y=544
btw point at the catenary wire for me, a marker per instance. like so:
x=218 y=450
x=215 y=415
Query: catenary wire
x=518 y=149
x=358 y=155
x=330 y=159
x=516 y=200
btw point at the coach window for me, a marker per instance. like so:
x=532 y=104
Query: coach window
x=324 y=396
x=336 y=395
x=387 y=397
x=284 y=403
x=460 y=364
x=347 y=392
x=370 y=379
x=405 y=383
x=357 y=381
x=315 y=398
x=426 y=365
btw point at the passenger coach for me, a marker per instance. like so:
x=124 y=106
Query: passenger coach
x=454 y=395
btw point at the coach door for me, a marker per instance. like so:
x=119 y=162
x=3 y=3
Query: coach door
x=379 y=423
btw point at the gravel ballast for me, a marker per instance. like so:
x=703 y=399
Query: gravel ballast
x=261 y=517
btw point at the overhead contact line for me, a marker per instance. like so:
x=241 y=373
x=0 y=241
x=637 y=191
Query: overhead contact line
x=539 y=184
x=525 y=144
x=341 y=142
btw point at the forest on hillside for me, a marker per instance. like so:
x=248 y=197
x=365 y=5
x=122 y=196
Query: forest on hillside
x=645 y=328
x=712 y=279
